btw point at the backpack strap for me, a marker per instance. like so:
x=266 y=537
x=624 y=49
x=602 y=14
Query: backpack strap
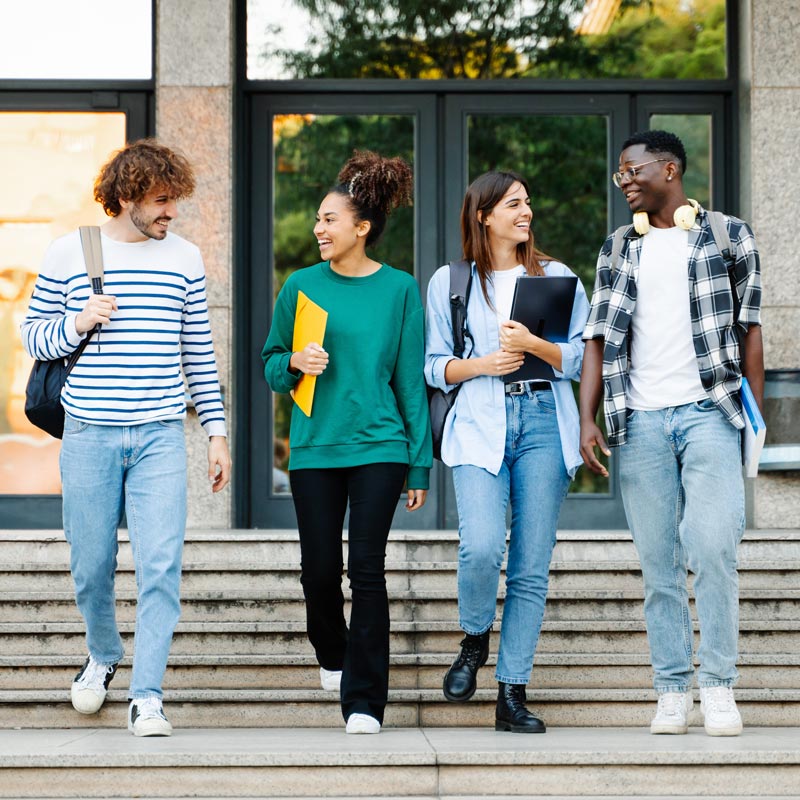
x=460 y=285
x=719 y=230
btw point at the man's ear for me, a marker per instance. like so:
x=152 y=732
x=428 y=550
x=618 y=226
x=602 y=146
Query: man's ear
x=123 y=204
x=672 y=171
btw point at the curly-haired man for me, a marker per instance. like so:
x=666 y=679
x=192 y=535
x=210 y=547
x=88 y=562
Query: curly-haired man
x=123 y=447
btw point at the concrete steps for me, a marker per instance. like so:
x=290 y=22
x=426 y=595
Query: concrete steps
x=454 y=763
x=251 y=721
x=240 y=655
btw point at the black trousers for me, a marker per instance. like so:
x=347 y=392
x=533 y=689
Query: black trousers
x=320 y=499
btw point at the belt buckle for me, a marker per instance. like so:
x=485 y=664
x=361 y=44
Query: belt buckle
x=518 y=387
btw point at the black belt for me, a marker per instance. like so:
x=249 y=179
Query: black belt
x=522 y=387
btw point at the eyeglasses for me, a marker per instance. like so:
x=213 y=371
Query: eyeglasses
x=630 y=173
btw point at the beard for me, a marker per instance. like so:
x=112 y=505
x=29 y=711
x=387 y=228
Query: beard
x=145 y=224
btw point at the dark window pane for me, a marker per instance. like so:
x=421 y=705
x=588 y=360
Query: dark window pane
x=309 y=150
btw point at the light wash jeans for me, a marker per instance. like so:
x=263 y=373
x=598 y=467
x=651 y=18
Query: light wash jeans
x=140 y=469
x=682 y=487
x=534 y=478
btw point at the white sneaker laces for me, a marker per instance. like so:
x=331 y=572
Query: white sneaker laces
x=95 y=673
x=670 y=704
x=149 y=707
x=719 y=699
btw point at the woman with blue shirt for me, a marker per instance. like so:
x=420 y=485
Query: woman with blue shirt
x=516 y=442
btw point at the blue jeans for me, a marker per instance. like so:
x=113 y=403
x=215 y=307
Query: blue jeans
x=682 y=487
x=534 y=478
x=139 y=469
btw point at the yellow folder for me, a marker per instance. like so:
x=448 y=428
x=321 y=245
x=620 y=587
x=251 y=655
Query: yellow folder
x=309 y=326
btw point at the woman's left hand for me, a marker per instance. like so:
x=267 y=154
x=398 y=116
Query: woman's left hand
x=515 y=337
x=416 y=499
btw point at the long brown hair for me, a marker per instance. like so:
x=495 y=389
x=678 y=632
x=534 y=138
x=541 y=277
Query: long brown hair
x=483 y=194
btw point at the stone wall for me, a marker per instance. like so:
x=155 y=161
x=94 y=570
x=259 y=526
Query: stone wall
x=770 y=121
x=194 y=101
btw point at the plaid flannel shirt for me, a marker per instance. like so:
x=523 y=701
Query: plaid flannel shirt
x=715 y=340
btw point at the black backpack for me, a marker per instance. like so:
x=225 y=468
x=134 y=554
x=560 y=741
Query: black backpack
x=43 y=393
x=440 y=403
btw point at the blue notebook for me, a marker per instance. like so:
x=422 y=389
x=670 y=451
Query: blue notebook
x=755 y=431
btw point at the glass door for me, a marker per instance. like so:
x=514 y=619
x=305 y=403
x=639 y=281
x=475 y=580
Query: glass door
x=564 y=147
x=299 y=145
x=50 y=153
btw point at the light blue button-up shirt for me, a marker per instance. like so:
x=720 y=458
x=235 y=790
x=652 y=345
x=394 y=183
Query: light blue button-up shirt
x=475 y=430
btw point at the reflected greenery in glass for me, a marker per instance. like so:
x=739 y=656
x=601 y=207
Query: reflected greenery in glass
x=563 y=158
x=486 y=39
x=308 y=151
x=694 y=130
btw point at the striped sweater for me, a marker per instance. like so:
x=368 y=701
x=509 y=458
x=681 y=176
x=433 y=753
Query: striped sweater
x=131 y=373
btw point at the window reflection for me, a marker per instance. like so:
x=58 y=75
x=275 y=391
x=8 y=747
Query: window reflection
x=61 y=40
x=694 y=130
x=483 y=39
x=308 y=152
x=48 y=162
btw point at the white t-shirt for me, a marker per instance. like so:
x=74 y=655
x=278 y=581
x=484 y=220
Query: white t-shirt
x=663 y=367
x=504 y=282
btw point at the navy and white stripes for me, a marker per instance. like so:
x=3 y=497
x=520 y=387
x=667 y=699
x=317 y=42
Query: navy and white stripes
x=131 y=373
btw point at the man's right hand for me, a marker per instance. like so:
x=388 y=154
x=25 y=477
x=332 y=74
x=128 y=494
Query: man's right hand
x=98 y=308
x=591 y=437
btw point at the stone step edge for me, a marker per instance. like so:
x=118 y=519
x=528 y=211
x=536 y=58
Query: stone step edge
x=420 y=626
x=534 y=695
x=434 y=535
x=409 y=751
x=296 y=595
x=599 y=660
x=745 y=565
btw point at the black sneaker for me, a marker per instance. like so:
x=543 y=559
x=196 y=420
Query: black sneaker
x=146 y=718
x=90 y=685
x=461 y=679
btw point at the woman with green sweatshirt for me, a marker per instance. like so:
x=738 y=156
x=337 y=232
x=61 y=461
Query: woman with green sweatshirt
x=368 y=432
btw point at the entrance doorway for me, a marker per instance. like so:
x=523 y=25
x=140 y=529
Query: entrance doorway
x=566 y=145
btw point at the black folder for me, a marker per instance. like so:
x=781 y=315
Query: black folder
x=543 y=304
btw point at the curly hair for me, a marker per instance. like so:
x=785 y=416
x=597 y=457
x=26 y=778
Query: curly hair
x=137 y=169
x=375 y=185
x=659 y=143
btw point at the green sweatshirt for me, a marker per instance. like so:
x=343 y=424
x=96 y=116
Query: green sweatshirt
x=370 y=404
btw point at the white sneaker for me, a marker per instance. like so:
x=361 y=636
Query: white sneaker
x=331 y=679
x=672 y=714
x=146 y=718
x=90 y=686
x=722 y=718
x=362 y=723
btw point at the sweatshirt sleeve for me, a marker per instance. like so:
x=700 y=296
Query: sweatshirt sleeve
x=278 y=348
x=48 y=330
x=408 y=383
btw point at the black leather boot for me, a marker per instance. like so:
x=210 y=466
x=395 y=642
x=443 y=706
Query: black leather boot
x=460 y=681
x=511 y=714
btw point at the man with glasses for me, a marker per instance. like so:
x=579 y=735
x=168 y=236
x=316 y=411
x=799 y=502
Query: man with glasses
x=665 y=347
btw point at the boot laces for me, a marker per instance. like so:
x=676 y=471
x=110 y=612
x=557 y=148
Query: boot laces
x=471 y=647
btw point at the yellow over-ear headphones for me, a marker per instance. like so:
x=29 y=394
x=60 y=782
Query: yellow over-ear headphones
x=683 y=217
